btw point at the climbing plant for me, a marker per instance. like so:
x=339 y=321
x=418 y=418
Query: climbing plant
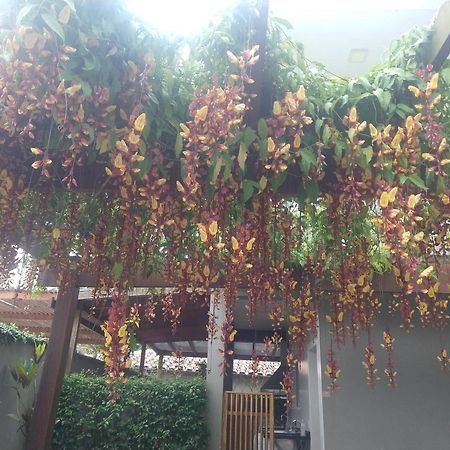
x=119 y=156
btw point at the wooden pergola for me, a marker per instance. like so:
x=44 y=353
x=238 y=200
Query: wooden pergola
x=67 y=302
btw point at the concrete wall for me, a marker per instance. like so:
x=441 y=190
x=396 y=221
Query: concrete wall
x=10 y=437
x=413 y=416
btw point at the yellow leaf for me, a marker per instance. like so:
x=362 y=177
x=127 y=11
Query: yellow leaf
x=30 y=39
x=419 y=236
x=270 y=145
x=372 y=359
x=206 y=271
x=328 y=318
x=56 y=233
x=118 y=162
x=133 y=138
x=426 y=272
x=180 y=187
x=301 y=93
x=414 y=90
x=234 y=243
x=434 y=81
x=232 y=335
x=201 y=113
x=140 y=122
x=213 y=228
x=122 y=330
x=392 y=194
x=373 y=131
x=297 y=141
x=250 y=243
x=384 y=199
x=72 y=90
x=242 y=156
x=64 y=15
x=444 y=162
x=412 y=201
x=203 y=233
x=361 y=280
x=263 y=182
x=276 y=108
x=353 y=117
x=36 y=151
x=340 y=316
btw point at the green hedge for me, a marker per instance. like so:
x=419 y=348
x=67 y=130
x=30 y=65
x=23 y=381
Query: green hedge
x=9 y=332
x=151 y=414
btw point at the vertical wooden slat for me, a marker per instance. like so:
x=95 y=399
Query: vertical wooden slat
x=245 y=421
x=240 y=422
x=225 y=421
x=235 y=421
x=272 y=422
x=248 y=421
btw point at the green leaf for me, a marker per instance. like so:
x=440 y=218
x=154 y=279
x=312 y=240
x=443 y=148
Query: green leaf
x=262 y=128
x=216 y=170
x=23 y=13
x=312 y=190
x=53 y=24
x=117 y=270
x=178 y=145
x=277 y=181
x=248 y=187
x=263 y=150
x=364 y=157
x=308 y=158
x=445 y=75
x=86 y=87
x=70 y=3
x=417 y=181
x=249 y=136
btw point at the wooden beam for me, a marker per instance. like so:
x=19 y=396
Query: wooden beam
x=440 y=41
x=384 y=283
x=43 y=418
x=172 y=347
x=154 y=335
x=192 y=347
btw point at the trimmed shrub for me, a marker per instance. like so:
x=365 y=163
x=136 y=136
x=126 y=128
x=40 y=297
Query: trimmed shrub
x=151 y=414
x=9 y=332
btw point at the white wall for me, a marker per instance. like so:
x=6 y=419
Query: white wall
x=413 y=416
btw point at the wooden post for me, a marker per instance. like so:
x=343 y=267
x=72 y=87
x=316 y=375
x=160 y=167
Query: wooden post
x=142 y=361
x=73 y=339
x=160 y=365
x=44 y=413
x=440 y=40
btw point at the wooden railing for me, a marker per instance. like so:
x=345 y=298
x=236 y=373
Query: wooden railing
x=248 y=421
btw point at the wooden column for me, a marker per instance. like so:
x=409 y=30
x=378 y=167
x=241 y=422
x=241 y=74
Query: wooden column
x=142 y=361
x=43 y=418
x=73 y=339
x=440 y=40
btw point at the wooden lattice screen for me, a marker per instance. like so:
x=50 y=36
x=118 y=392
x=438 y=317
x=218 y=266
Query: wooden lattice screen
x=248 y=421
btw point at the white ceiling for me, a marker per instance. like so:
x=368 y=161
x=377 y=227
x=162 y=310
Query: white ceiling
x=330 y=30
